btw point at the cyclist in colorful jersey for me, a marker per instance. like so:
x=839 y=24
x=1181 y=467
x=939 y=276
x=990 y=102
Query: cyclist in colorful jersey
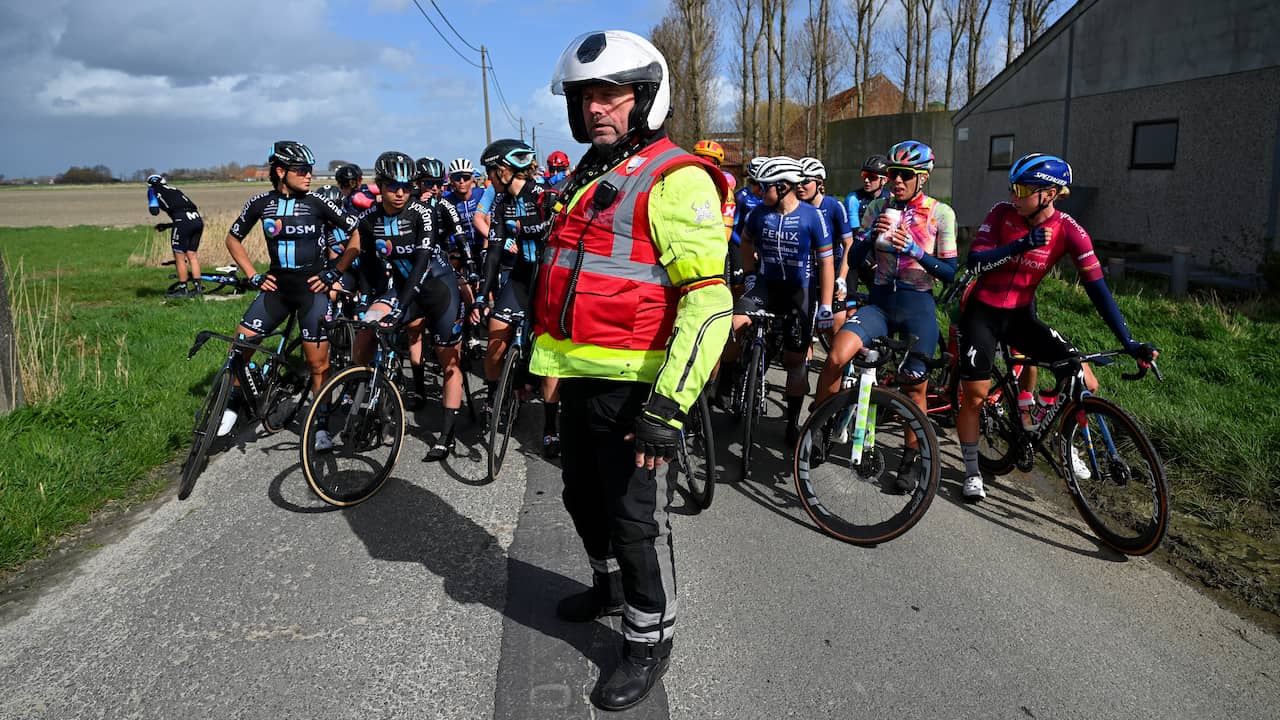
x=412 y=284
x=812 y=190
x=713 y=151
x=777 y=241
x=521 y=220
x=912 y=253
x=186 y=228
x=557 y=169
x=298 y=280
x=356 y=195
x=1017 y=244
x=875 y=178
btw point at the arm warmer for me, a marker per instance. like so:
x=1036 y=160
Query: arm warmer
x=1102 y=299
x=988 y=260
x=944 y=270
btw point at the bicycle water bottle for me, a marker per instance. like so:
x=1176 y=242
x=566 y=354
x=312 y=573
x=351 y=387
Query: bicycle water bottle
x=1026 y=410
x=1043 y=403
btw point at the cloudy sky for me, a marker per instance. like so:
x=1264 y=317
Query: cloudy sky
x=163 y=84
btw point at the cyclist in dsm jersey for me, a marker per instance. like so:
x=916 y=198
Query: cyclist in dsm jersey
x=411 y=283
x=812 y=189
x=186 y=228
x=911 y=254
x=1017 y=244
x=295 y=224
x=875 y=177
x=521 y=219
x=356 y=195
x=777 y=241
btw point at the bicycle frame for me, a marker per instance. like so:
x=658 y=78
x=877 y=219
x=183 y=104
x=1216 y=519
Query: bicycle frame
x=253 y=384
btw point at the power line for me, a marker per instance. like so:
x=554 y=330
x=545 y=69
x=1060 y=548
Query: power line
x=503 y=98
x=451 y=27
x=445 y=39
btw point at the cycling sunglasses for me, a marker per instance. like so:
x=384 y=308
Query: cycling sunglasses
x=460 y=176
x=432 y=183
x=388 y=186
x=301 y=169
x=871 y=176
x=1023 y=190
x=903 y=174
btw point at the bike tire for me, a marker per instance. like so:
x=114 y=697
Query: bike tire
x=858 y=503
x=506 y=403
x=213 y=287
x=998 y=426
x=366 y=423
x=750 y=405
x=282 y=400
x=1125 y=496
x=205 y=429
x=697 y=456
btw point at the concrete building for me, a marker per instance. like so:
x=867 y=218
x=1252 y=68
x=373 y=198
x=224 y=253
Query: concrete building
x=1167 y=110
x=849 y=142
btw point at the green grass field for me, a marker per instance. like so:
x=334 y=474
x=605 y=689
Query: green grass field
x=128 y=393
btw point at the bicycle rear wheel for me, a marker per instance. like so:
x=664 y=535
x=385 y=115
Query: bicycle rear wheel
x=504 y=406
x=208 y=417
x=365 y=422
x=998 y=431
x=857 y=499
x=1115 y=476
x=751 y=403
x=697 y=456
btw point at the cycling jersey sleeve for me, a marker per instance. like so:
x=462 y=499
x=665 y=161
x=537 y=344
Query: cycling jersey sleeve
x=822 y=249
x=249 y=216
x=486 y=201
x=986 y=254
x=692 y=249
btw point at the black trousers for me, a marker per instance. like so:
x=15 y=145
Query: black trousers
x=619 y=510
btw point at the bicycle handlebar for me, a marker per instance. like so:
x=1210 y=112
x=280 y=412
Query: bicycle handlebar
x=1105 y=358
x=205 y=336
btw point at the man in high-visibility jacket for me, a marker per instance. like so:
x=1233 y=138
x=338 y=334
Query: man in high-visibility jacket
x=631 y=310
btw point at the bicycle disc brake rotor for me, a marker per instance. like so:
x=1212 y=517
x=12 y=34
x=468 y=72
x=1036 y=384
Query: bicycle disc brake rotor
x=1026 y=457
x=871 y=467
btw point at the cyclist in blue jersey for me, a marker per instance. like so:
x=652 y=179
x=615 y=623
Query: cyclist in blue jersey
x=874 y=185
x=745 y=200
x=294 y=223
x=465 y=196
x=186 y=228
x=521 y=220
x=557 y=169
x=407 y=268
x=914 y=238
x=777 y=241
x=356 y=195
x=812 y=190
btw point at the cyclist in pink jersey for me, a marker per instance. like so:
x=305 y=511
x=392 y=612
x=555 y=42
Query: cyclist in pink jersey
x=1017 y=244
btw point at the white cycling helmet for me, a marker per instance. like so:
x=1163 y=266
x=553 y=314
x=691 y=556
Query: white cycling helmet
x=813 y=168
x=620 y=58
x=753 y=167
x=779 y=169
x=461 y=165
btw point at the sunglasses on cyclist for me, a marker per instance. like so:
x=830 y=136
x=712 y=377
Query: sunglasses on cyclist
x=460 y=176
x=432 y=183
x=301 y=169
x=903 y=174
x=871 y=176
x=1022 y=190
x=388 y=186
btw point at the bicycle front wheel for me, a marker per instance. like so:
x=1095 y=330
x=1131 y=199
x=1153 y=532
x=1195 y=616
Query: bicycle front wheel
x=208 y=417
x=362 y=421
x=751 y=403
x=504 y=406
x=697 y=457
x=861 y=499
x=1115 y=476
x=998 y=431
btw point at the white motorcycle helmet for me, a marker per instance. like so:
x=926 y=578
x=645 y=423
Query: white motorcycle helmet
x=621 y=58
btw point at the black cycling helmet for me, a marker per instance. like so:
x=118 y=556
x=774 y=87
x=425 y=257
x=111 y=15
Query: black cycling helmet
x=430 y=168
x=395 y=167
x=347 y=174
x=155 y=180
x=330 y=193
x=877 y=164
x=512 y=153
x=286 y=153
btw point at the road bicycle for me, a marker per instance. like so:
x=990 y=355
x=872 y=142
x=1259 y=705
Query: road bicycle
x=223 y=278
x=749 y=398
x=360 y=412
x=847 y=446
x=696 y=457
x=272 y=392
x=508 y=395
x=1113 y=473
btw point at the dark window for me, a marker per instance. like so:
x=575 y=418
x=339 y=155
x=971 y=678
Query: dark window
x=1155 y=144
x=1001 y=157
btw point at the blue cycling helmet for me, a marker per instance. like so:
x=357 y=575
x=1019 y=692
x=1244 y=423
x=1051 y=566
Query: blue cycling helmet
x=330 y=193
x=155 y=180
x=911 y=154
x=1040 y=169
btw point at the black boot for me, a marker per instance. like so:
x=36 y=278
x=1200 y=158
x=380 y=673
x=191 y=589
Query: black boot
x=642 y=666
x=604 y=597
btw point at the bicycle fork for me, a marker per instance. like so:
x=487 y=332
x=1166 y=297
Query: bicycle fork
x=862 y=415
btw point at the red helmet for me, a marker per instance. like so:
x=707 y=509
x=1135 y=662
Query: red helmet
x=558 y=161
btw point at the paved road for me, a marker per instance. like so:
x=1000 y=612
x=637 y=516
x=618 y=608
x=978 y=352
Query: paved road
x=434 y=600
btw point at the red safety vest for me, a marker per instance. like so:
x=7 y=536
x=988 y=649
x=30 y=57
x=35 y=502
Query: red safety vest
x=601 y=282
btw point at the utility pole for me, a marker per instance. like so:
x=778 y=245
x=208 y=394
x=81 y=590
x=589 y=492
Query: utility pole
x=535 y=141
x=521 y=128
x=484 y=84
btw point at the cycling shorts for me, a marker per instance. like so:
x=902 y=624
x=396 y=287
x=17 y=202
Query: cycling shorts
x=438 y=303
x=902 y=312
x=982 y=327
x=186 y=235
x=793 y=306
x=513 y=298
x=291 y=295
